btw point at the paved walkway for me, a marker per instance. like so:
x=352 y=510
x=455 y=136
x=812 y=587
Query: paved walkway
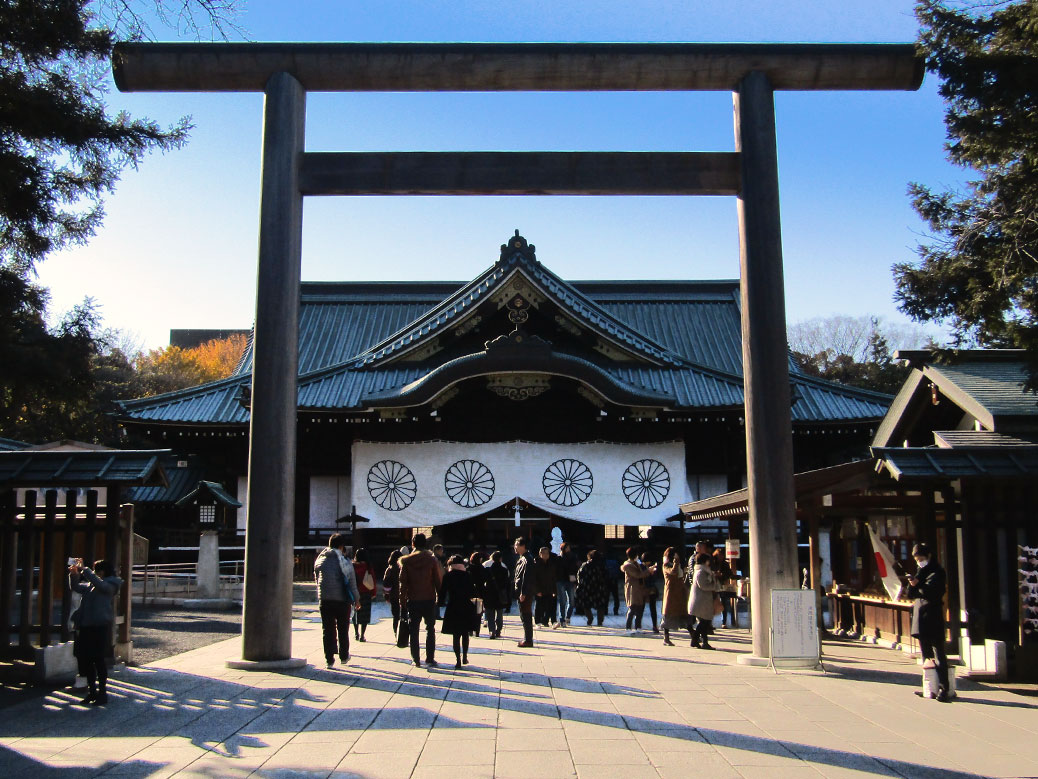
x=584 y=702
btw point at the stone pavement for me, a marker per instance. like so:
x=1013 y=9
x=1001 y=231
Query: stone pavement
x=585 y=702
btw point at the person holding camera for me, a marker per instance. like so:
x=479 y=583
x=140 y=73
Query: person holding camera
x=93 y=624
x=927 y=589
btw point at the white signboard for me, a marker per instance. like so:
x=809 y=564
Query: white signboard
x=794 y=626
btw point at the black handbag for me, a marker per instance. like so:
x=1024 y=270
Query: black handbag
x=403 y=632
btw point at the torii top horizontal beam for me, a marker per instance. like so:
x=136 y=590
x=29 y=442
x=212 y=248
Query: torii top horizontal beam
x=496 y=67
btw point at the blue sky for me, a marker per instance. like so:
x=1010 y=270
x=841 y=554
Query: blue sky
x=178 y=247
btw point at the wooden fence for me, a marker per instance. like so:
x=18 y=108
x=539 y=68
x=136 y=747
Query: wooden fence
x=36 y=541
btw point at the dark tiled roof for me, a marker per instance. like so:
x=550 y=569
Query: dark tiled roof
x=940 y=463
x=998 y=387
x=180 y=481
x=966 y=439
x=82 y=468
x=686 y=332
x=212 y=488
x=10 y=445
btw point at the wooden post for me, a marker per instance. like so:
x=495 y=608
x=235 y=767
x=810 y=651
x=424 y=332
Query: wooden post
x=46 y=582
x=8 y=563
x=267 y=618
x=26 y=548
x=124 y=636
x=68 y=539
x=769 y=441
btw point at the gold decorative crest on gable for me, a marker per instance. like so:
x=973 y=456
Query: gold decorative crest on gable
x=518 y=386
x=426 y=351
x=568 y=325
x=444 y=398
x=467 y=325
x=612 y=352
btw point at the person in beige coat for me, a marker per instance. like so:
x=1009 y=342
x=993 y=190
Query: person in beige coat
x=634 y=588
x=701 y=601
x=675 y=596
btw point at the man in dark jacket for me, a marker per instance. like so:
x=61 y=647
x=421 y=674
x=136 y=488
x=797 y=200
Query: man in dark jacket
x=336 y=590
x=420 y=579
x=567 y=583
x=546 y=575
x=525 y=589
x=927 y=587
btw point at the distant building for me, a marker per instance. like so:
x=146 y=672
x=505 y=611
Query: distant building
x=189 y=339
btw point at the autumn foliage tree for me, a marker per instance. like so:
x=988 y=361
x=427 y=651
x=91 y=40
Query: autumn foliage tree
x=172 y=367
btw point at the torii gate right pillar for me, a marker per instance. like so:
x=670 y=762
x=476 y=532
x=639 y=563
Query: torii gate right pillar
x=768 y=422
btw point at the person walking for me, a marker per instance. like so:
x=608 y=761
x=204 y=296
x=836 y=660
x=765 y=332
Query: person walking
x=613 y=577
x=390 y=583
x=634 y=590
x=478 y=574
x=336 y=591
x=546 y=578
x=592 y=591
x=565 y=589
x=701 y=601
x=652 y=591
x=927 y=588
x=496 y=593
x=723 y=573
x=459 y=613
x=675 y=596
x=93 y=622
x=366 y=586
x=420 y=580
x=525 y=589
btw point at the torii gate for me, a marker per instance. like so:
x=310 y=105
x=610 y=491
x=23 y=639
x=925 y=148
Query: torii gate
x=284 y=72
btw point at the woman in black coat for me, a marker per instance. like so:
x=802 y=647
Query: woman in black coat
x=479 y=582
x=497 y=593
x=592 y=587
x=456 y=594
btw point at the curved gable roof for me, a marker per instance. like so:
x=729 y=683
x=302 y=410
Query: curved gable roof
x=517 y=256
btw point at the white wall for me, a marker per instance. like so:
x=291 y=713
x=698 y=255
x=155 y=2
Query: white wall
x=243 y=498
x=329 y=500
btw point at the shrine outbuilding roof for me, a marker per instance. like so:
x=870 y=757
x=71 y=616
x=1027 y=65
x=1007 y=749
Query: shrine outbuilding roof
x=984 y=387
x=107 y=467
x=367 y=345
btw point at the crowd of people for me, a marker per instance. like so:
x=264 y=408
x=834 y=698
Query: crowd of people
x=475 y=592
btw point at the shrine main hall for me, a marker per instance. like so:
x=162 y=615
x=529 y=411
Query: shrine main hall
x=517 y=398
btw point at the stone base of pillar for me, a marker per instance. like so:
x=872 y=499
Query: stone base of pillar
x=267 y=665
x=753 y=660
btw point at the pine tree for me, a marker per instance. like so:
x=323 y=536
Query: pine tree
x=979 y=271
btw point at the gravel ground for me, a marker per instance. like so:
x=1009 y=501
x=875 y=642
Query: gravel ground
x=159 y=632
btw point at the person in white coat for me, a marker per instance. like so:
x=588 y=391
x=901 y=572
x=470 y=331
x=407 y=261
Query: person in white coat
x=701 y=601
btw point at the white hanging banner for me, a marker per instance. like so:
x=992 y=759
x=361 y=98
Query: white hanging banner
x=399 y=485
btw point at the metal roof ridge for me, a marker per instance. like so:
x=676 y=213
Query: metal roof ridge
x=618 y=324
x=134 y=403
x=835 y=385
x=462 y=296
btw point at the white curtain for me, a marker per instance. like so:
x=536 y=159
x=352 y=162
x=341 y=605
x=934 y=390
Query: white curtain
x=399 y=485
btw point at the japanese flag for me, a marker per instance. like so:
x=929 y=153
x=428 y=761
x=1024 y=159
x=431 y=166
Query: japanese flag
x=885 y=565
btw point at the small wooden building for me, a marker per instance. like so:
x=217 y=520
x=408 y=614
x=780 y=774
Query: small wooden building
x=954 y=463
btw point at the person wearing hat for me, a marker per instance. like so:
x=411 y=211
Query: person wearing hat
x=927 y=589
